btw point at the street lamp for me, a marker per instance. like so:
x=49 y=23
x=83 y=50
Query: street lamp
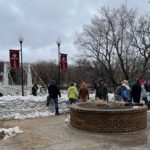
x=21 y=41
x=58 y=44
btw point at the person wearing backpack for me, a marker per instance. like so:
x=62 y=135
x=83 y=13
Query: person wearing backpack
x=147 y=86
x=117 y=93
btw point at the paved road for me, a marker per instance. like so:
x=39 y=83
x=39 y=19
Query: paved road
x=52 y=133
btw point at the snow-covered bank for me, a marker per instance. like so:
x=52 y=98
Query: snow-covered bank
x=22 y=107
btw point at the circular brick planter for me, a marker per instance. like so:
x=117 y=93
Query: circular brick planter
x=108 y=120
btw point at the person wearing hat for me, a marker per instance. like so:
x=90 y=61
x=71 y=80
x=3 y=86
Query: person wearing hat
x=72 y=94
x=54 y=92
x=83 y=92
x=125 y=91
x=101 y=90
x=34 y=89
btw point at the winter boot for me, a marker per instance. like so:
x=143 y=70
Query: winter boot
x=47 y=104
x=57 y=113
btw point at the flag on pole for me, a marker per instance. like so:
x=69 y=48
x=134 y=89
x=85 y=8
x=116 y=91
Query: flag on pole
x=14 y=59
x=63 y=62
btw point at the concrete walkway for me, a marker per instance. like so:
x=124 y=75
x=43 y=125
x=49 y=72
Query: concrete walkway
x=52 y=133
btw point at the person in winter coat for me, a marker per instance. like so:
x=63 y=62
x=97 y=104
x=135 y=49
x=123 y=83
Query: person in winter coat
x=54 y=92
x=34 y=89
x=83 y=92
x=125 y=91
x=72 y=94
x=136 y=92
x=117 y=93
x=144 y=93
x=101 y=91
x=147 y=86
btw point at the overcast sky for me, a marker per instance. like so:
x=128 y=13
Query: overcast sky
x=41 y=22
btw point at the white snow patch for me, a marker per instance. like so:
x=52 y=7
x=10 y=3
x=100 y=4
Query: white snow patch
x=24 y=107
x=10 y=132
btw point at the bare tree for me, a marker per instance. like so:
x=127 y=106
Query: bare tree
x=107 y=41
x=140 y=36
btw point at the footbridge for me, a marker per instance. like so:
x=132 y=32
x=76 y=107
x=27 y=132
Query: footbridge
x=6 y=89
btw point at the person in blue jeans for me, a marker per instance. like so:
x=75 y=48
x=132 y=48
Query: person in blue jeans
x=54 y=92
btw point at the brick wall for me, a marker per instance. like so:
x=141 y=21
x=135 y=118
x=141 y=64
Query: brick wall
x=108 y=121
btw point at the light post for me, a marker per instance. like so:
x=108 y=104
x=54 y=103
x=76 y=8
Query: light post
x=58 y=44
x=22 y=85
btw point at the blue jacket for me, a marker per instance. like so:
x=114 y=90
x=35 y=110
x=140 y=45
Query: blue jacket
x=125 y=93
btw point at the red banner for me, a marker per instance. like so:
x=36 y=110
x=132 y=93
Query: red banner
x=14 y=59
x=63 y=62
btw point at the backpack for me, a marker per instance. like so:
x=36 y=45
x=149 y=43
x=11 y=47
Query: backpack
x=147 y=87
x=118 y=91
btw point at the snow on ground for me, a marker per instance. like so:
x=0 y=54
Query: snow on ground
x=34 y=100
x=10 y=132
x=27 y=102
x=25 y=107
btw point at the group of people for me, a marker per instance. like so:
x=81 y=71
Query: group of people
x=137 y=92
x=80 y=95
x=74 y=94
x=53 y=91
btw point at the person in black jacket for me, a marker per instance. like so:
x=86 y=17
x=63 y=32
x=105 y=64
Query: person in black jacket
x=54 y=92
x=136 y=92
x=101 y=90
x=34 y=89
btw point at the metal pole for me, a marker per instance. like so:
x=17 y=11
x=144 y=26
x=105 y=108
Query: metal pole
x=21 y=69
x=59 y=65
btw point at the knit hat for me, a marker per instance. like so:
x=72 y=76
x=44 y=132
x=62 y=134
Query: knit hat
x=72 y=84
x=142 y=81
x=125 y=82
x=83 y=85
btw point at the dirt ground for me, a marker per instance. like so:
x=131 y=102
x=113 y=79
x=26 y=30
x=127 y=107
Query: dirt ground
x=52 y=133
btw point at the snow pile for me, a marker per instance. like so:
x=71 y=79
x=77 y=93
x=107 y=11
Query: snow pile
x=33 y=115
x=25 y=107
x=67 y=120
x=111 y=96
x=11 y=132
